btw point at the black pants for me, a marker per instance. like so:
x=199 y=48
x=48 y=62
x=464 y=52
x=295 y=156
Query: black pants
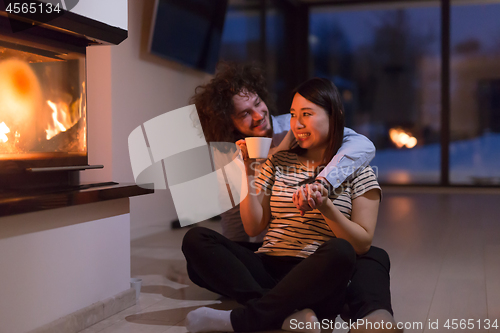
x=270 y=287
x=369 y=289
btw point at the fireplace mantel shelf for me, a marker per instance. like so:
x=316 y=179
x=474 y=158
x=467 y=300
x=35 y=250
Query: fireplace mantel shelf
x=19 y=202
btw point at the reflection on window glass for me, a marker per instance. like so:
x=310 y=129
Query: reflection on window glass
x=386 y=63
x=242 y=43
x=276 y=68
x=241 y=36
x=475 y=94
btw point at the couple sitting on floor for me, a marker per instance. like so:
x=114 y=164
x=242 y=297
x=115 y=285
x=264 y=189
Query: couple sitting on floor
x=316 y=260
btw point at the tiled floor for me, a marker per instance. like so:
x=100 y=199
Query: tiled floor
x=444 y=249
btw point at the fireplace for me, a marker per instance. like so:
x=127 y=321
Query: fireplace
x=43 y=116
x=42 y=108
x=43 y=113
x=66 y=244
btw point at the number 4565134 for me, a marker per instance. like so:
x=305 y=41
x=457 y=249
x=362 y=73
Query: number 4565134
x=470 y=324
x=32 y=8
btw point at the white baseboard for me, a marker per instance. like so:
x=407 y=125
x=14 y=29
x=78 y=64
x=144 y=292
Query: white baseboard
x=92 y=314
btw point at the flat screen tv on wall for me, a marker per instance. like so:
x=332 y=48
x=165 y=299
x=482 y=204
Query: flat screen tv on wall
x=189 y=31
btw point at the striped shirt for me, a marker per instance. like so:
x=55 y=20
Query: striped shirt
x=289 y=233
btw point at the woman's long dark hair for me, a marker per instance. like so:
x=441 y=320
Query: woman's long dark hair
x=325 y=94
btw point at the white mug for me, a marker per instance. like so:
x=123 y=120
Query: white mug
x=258 y=147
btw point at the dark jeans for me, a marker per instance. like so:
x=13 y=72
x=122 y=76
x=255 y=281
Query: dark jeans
x=270 y=287
x=369 y=289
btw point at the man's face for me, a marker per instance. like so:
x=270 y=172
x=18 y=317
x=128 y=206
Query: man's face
x=251 y=116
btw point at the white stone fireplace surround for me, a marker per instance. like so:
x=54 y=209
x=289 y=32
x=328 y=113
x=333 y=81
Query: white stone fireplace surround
x=71 y=264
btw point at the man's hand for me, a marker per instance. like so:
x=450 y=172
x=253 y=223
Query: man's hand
x=318 y=195
x=252 y=165
x=309 y=197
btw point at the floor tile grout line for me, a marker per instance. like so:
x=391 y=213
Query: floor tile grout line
x=448 y=230
x=176 y=324
x=486 y=283
x=483 y=245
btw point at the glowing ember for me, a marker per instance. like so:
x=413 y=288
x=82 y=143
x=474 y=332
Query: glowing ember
x=402 y=138
x=3 y=131
x=20 y=97
x=61 y=120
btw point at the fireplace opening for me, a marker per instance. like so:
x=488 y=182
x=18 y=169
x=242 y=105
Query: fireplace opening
x=42 y=108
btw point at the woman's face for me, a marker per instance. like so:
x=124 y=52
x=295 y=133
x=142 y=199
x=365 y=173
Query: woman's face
x=309 y=123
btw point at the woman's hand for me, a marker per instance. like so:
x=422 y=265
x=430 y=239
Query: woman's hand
x=309 y=197
x=252 y=165
x=255 y=209
x=244 y=154
x=300 y=200
x=243 y=147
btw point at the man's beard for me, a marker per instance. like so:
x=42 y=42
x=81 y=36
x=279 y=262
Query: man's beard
x=269 y=132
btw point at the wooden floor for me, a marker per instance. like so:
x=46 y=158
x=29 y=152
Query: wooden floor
x=445 y=256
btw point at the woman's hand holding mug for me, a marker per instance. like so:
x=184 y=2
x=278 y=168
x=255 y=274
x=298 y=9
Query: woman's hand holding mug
x=252 y=166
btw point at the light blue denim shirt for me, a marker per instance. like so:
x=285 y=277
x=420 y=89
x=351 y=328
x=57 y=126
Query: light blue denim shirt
x=354 y=155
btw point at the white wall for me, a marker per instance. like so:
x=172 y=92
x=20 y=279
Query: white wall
x=99 y=120
x=58 y=261
x=140 y=87
x=111 y=12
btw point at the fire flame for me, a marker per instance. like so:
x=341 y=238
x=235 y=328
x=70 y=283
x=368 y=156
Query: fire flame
x=3 y=131
x=20 y=97
x=60 y=118
x=23 y=108
x=402 y=138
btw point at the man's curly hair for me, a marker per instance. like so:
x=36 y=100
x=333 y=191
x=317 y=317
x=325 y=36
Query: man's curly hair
x=214 y=100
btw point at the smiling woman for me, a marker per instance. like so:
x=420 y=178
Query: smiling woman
x=309 y=124
x=318 y=125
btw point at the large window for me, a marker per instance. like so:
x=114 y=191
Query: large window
x=475 y=94
x=385 y=60
x=267 y=32
x=421 y=79
x=241 y=38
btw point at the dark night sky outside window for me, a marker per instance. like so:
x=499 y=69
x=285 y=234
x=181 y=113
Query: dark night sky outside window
x=387 y=60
